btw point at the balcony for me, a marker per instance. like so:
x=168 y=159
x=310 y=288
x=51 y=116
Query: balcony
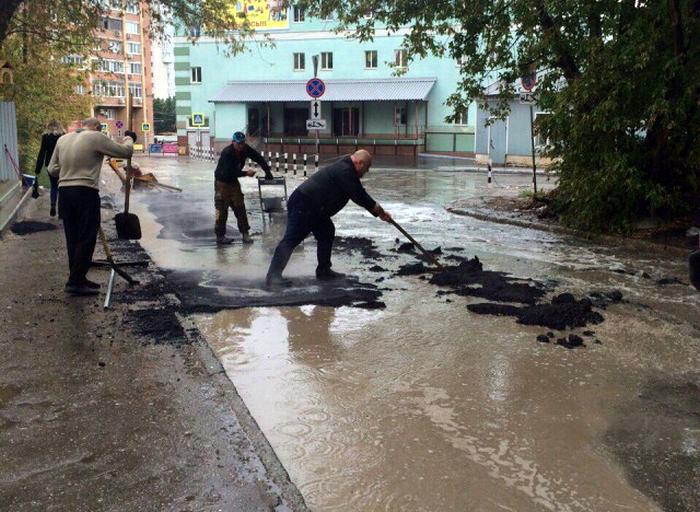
x=137 y=102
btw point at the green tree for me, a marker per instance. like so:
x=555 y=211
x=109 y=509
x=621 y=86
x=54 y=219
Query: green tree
x=164 y=115
x=619 y=76
x=36 y=34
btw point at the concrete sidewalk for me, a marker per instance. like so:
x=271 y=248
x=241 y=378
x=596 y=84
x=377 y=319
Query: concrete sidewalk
x=98 y=414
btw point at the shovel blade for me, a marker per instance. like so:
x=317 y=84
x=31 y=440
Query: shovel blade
x=128 y=226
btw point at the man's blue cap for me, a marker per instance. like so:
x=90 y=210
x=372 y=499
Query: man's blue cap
x=238 y=137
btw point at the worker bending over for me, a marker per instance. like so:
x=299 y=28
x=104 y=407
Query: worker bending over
x=311 y=207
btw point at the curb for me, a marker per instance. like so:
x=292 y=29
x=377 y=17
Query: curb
x=16 y=211
x=562 y=230
x=278 y=474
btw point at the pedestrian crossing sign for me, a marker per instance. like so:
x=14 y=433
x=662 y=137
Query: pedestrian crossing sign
x=197 y=119
x=145 y=127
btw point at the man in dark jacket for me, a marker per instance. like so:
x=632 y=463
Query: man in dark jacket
x=48 y=143
x=311 y=207
x=227 y=190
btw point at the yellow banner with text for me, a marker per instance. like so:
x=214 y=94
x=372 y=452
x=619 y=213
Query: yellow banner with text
x=263 y=14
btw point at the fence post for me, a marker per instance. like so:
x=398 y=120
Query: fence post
x=316 y=163
x=304 y=164
x=286 y=162
x=294 y=163
x=277 y=161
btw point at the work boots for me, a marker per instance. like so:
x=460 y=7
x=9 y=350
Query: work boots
x=222 y=240
x=276 y=281
x=327 y=274
x=247 y=239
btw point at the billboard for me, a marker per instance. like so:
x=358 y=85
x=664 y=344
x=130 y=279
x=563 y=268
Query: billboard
x=263 y=14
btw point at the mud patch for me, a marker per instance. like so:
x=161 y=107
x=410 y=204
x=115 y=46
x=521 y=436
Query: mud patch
x=159 y=324
x=27 y=227
x=364 y=246
x=656 y=438
x=563 y=312
x=206 y=293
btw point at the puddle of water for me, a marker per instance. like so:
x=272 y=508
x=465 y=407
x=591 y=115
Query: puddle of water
x=424 y=406
x=371 y=412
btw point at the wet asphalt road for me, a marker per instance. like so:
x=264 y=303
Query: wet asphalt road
x=425 y=406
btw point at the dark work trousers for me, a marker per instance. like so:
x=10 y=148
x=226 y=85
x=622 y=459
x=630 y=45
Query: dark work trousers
x=303 y=218
x=229 y=195
x=54 y=190
x=80 y=209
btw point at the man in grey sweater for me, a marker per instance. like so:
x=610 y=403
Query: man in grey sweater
x=76 y=162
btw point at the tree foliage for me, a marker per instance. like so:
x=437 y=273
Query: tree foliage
x=36 y=34
x=620 y=78
x=164 y=115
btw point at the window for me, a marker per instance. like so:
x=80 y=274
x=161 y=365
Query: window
x=116 y=4
x=73 y=60
x=80 y=89
x=400 y=116
x=400 y=58
x=110 y=66
x=108 y=113
x=135 y=68
x=194 y=31
x=132 y=27
x=461 y=117
x=132 y=7
x=104 y=88
x=371 y=59
x=112 y=24
x=327 y=60
x=133 y=48
x=197 y=75
x=298 y=13
x=299 y=62
x=135 y=90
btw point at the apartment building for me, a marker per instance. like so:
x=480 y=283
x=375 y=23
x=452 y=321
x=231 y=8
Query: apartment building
x=121 y=70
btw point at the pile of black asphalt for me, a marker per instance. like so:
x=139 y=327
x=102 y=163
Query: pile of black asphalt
x=522 y=299
x=28 y=227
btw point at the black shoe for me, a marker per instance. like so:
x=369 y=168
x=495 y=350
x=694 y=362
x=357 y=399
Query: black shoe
x=52 y=211
x=222 y=240
x=327 y=274
x=247 y=239
x=91 y=284
x=80 y=290
x=276 y=281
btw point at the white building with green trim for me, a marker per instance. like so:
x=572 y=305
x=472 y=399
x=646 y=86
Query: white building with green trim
x=262 y=92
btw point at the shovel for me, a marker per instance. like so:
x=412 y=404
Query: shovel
x=429 y=255
x=128 y=225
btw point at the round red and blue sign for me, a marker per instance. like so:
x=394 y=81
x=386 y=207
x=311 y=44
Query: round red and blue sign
x=315 y=87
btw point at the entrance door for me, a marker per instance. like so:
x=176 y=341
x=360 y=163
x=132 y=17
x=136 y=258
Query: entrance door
x=498 y=134
x=295 y=121
x=253 y=121
x=346 y=121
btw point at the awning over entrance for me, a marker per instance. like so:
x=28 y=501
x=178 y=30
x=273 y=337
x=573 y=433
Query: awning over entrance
x=383 y=89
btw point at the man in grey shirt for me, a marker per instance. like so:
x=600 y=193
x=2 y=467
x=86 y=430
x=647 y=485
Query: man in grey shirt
x=76 y=162
x=311 y=207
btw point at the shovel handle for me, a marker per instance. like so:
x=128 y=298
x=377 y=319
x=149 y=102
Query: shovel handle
x=127 y=185
x=430 y=256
